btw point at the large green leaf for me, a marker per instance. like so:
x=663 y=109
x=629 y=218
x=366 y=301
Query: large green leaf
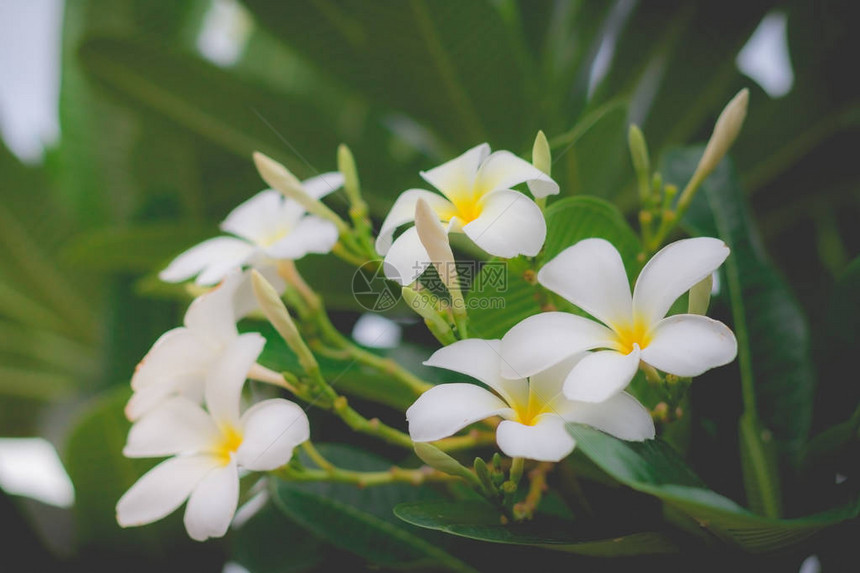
x=361 y=520
x=480 y=521
x=653 y=467
x=500 y=297
x=573 y=219
x=777 y=376
x=429 y=60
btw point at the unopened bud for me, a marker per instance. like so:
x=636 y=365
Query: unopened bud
x=726 y=130
x=641 y=161
x=346 y=166
x=434 y=237
x=541 y=154
x=279 y=177
x=439 y=460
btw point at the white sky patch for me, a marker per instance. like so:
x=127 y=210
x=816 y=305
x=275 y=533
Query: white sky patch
x=224 y=33
x=30 y=47
x=374 y=331
x=31 y=467
x=765 y=56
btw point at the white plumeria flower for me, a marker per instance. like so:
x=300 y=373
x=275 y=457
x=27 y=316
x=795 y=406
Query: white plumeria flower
x=591 y=275
x=477 y=201
x=181 y=358
x=209 y=448
x=268 y=227
x=534 y=412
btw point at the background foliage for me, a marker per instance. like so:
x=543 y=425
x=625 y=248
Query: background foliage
x=155 y=150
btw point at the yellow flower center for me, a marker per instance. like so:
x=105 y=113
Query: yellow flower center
x=527 y=414
x=273 y=238
x=468 y=208
x=230 y=441
x=630 y=334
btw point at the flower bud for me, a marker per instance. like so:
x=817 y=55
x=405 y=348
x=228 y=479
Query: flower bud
x=726 y=130
x=434 y=237
x=346 y=166
x=439 y=460
x=541 y=154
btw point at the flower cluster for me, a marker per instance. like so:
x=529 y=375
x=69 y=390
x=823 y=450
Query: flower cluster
x=551 y=369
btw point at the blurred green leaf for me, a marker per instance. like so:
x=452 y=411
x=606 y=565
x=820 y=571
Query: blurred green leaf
x=592 y=157
x=270 y=543
x=478 y=520
x=101 y=474
x=237 y=115
x=653 y=467
x=452 y=77
x=361 y=520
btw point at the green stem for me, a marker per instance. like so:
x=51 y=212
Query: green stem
x=365 y=479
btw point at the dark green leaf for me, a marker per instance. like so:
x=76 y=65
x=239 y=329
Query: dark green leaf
x=654 y=467
x=361 y=520
x=501 y=297
x=271 y=543
x=478 y=520
x=777 y=376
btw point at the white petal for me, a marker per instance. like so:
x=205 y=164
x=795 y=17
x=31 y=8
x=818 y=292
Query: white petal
x=458 y=175
x=672 y=272
x=503 y=170
x=162 y=489
x=227 y=377
x=444 y=410
x=403 y=211
x=601 y=374
x=178 y=354
x=244 y=300
x=482 y=360
x=323 y=184
x=213 y=259
x=510 y=224
x=175 y=426
x=270 y=431
x=212 y=503
x=260 y=217
x=212 y=315
x=690 y=344
x=546 y=441
x=547 y=385
x=591 y=275
x=621 y=416
x=545 y=339
x=311 y=235
x=406 y=259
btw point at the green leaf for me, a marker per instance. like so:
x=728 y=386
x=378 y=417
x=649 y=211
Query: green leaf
x=592 y=157
x=573 y=219
x=361 y=520
x=237 y=115
x=777 y=375
x=101 y=474
x=653 y=467
x=270 y=543
x=501 y=297
x=453 y=78
x=478 y=520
